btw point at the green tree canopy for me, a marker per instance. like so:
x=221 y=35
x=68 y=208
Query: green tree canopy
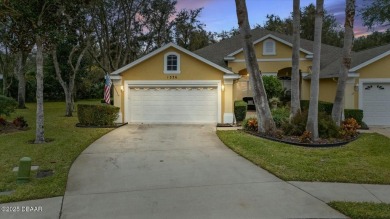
x=376 y=13
x=332 y=32
x=373 y=40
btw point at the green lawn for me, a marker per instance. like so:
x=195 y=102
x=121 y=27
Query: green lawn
x=58 y=155
x=365 y=160
x=357 y=210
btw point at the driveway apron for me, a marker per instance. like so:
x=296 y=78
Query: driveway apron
x=178 y=171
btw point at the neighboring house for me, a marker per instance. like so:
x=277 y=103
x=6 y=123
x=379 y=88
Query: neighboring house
x=1 y=76
x=174 y=85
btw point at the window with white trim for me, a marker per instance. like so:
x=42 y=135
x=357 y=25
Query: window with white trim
x=172 y=63
x=269 y=47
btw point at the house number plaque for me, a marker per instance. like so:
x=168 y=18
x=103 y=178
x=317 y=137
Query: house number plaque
x=171 y=77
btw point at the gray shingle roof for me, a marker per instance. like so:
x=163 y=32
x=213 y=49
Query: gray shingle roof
x=332 y=70
x=330 y=55
x=216 y=52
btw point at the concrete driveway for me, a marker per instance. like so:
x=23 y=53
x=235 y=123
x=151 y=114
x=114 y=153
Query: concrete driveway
x=383 y=130
x=178 y=171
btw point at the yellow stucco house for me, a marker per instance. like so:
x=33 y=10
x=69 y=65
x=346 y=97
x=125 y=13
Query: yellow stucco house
x=174 y=85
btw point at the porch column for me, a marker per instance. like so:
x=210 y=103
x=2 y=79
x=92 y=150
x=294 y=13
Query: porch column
x=228 y=116
x=349 y=96
x=117 y=94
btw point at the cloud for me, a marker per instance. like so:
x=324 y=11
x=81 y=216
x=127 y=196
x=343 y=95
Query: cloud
x=192 y=4
x=337 y=8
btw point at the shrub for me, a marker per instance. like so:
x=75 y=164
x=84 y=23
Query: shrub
x=104 y=101
x=3 y=122
x=322 y=106
x=20 y=122
x=357 y=114
x=280 y=115
x=364 y=126
x=325 y=107
x=240 y=110
x=97 y=115
x=297 y=125
x=7 y=105
x=250 y=124
x=349 y=128
x=326 y=127
x=273 y=86
x=305 y=137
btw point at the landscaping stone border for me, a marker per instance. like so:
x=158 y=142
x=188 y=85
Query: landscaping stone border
x=310 y=145
x=116 y=125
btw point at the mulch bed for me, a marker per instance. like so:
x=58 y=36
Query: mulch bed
x=294 y=140
x=224 y=125
x=9 y=127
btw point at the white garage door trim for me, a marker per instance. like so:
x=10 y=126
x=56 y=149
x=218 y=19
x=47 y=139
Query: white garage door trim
x=169 y=83
x=366 y=81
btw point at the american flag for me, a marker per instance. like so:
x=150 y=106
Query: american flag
x=107 y=89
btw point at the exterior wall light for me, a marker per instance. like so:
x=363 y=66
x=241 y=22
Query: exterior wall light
x=356 y=87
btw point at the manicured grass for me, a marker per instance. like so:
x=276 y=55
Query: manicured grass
x=366 y=160
x=363 y=210
x=58 y=155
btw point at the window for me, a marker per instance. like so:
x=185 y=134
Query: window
x=172 y=63
x=269 y=47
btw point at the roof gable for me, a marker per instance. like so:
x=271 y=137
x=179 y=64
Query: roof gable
x=272 y=37
x=370 y=61
x=359 y=60
x=165 y=47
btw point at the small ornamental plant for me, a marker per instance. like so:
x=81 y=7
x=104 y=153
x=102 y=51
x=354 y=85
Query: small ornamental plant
x=3 y=122
x=250 y=124
x=305 y=137
x=348 y=128
x=274 y=101
x=20 y=122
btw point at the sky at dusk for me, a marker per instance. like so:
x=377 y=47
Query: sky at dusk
x=220 y=15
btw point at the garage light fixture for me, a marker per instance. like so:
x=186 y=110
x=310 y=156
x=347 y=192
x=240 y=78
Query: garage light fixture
x=223 y=87
x=122 y=88
x=356 y=87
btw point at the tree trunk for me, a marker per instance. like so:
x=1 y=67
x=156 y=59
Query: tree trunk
x=69 y=104
x=67 y=91
x=295 y=75
x=39 y=132
x=69 y=88
x=345 y=62
x=5 y=63
x=312 y=120
x=19 y=70
x=266 y=123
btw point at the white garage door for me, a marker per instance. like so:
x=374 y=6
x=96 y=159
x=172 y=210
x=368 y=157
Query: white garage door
x=376 y=103
x=173 y=105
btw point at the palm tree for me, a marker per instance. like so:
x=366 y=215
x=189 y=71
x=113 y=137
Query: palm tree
x=312 y=119
x=295 y=77
x=264 y=117
x=345 y=62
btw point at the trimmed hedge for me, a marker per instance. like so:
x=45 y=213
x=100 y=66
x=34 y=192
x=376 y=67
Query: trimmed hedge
x=7 y=105
x=357 y=114
x=97 y=115
x=322 y=106
x=240 y=107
